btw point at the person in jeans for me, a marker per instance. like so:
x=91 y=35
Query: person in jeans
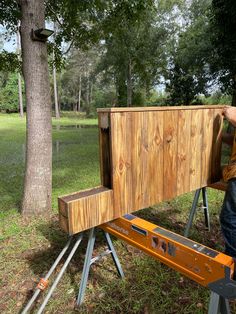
x=228 y=212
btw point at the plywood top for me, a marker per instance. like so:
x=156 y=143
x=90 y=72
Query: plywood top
x=158 y=108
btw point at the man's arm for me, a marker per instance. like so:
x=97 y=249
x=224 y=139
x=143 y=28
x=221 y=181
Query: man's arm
x=230 y=114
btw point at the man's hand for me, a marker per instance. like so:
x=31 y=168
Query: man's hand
x=230 y=114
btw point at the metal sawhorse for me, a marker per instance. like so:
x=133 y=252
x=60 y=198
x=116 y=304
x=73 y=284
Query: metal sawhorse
x=42 y=285
x=194 y=207
x=217 y=303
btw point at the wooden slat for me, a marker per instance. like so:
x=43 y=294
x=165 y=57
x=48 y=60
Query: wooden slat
x=155 y=170
x=184 y=148
x=195 y=150
x=217 y=143
x=207 y=144
x=121 y=162
x=136 y=160
x=170 y=156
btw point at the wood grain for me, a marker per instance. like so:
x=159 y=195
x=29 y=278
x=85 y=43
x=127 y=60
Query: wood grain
x=183 y=155
x=195 y=150
x=170 y=154
x=155 y=170
x=121 y=162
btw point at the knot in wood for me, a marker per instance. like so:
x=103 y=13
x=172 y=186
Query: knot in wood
x=168 y=138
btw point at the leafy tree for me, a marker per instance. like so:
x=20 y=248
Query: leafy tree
x=9 y=100
x=188 y=74
x=133 y=44
x=223 y=22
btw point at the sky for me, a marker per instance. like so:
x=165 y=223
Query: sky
x=8 y=44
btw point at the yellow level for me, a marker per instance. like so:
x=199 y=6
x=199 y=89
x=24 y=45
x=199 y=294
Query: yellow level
x=204 y=265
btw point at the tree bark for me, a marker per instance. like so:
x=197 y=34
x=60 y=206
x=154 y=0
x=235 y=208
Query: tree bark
x=129 y=85
x=57 y=113
x=38 y=173
x=19 y=76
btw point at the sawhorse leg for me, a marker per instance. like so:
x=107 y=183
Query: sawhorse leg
x=89 y=261
x=218 y=304
x=194 y=208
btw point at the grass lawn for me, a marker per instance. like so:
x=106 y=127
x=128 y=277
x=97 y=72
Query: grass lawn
x=28 y=248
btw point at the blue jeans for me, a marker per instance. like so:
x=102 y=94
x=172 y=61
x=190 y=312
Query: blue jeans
x=228 y=218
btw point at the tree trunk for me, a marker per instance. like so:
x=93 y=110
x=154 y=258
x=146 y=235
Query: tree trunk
x=79 y=98
x=129 y=85
x=57 y=113
x=91 y=92
x=19 y=76
x=38 y=173
x=87 y=109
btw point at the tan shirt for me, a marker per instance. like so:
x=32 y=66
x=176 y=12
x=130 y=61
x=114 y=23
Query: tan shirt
x=229 y=171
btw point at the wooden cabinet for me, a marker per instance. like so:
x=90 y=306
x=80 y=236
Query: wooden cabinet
x=151 y=154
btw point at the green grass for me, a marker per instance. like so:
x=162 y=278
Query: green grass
x=28 y=248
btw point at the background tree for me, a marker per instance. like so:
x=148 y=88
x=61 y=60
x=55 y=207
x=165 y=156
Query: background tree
x=38 y=172
x=188 y=72
x=133 y=51
x=9 y=97
x=223 y=22
x=18 y=51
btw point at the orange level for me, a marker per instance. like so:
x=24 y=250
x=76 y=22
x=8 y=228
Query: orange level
x=207 y=267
